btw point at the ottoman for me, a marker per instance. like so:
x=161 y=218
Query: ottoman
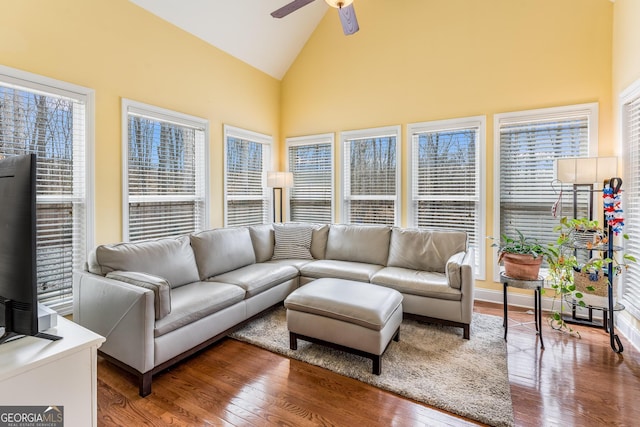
x=356 y=317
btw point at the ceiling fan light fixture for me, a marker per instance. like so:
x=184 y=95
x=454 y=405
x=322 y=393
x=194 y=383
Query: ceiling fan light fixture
x=338 y=4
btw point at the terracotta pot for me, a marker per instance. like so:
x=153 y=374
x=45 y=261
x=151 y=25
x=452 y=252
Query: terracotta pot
x=519 y=266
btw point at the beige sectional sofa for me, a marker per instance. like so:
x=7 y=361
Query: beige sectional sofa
x=159 y=301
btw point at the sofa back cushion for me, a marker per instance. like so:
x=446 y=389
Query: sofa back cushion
x=169 y=258
x=424 y=250
x=221 y=250
x=319 y=241
x=358 y=243
x=263 y=240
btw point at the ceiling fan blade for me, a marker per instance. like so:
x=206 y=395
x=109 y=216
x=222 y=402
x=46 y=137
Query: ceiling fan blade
x=348 y=19
x=290 y=8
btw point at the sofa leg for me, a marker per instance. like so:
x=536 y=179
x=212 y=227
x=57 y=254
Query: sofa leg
x=466 y=327
x=145 y=384
x=293 y=341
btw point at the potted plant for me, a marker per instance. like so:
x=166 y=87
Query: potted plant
x=521 y=255
x=582 y=233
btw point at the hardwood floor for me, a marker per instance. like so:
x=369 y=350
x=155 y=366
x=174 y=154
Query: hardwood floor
x=573 y=382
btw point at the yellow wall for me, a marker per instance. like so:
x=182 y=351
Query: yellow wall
x=626 y=69
x=626 y=45
x=419 y=60
x=413 y=60
x=121 y=50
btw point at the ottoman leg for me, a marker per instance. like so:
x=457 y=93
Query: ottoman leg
x=293 y=341
x=396 y=337
x=377 y=365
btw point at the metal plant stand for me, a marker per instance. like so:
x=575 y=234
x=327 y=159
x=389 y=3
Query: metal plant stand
x=608 y=307
x=536 y=285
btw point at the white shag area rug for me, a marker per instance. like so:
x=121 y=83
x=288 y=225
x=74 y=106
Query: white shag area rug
x=430 y=363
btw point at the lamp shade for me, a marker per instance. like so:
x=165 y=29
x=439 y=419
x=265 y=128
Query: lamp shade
x=586 y=170
x=279 y=179
x=338 y=3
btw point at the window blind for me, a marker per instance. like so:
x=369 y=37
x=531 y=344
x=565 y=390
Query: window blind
x=631 y=200
x=445 y=181
x=165 y=174
x=53 y=127
x=248 y=201
x=528 y=148
x=370 y=177
x=310 y=199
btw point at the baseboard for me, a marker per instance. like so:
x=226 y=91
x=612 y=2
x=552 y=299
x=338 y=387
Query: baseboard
x=630 y=332
x=623 y=323
x=515 y=298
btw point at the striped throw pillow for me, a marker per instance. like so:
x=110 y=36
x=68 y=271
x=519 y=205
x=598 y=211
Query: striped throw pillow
x=293 y=241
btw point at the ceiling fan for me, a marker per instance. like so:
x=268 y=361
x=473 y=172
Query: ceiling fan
x=345 y=10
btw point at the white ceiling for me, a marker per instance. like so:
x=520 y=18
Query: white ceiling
x=244 y=28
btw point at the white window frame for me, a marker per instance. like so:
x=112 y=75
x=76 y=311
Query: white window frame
x=52 y=86
x=629 y=95
x=163 y=114
x=326 y=138
x=589 y=110
x=475 y=122
x=268 y=161
x=345 y=137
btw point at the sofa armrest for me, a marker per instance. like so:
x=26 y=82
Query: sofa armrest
x=467 y=285
x=453 y=270
x=122 y=313
x=160 y=287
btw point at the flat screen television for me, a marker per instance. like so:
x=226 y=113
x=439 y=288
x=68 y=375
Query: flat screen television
x=18 y=278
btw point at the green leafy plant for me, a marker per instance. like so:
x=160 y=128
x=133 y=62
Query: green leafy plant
x=520 y=244
x=563 y=264
x=561 y=267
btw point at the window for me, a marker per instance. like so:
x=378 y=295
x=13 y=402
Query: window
x=54 y=120
x=311 y=161
x=630 y=100
x=165 y=173
x=528 y=144
x=248 y=158
x=370 y=176
x=444 y=179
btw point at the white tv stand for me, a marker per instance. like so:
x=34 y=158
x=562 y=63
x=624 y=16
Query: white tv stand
x=39 y=372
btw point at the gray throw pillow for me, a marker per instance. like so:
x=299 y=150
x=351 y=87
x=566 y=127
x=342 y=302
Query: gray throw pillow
x=293 y=241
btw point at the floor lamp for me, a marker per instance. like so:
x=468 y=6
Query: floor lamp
x=584 y=172
x=279 y=181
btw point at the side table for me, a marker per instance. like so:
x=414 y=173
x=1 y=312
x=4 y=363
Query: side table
x=536 y=285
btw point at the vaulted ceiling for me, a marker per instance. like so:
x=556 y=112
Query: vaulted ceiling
x=244 y=28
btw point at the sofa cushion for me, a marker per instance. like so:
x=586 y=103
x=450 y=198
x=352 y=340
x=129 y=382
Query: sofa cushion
x=196 y=300
x=425 y=250
x=413 y=282
x=358 y=243
x=160 y=287
x=169 y=258
x=292 y=241
x=263 y=241
x=340 y=270
x=319 y=241
x=257 y=278
x=221 y=250
x=297 y=263
x=453 y=270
